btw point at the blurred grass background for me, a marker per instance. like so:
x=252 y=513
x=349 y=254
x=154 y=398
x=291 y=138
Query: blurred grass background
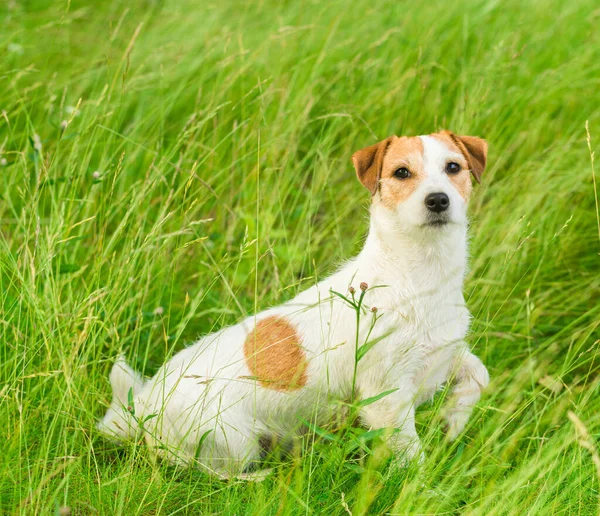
x=167 y=168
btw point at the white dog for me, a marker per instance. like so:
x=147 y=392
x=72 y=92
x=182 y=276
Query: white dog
x=217 y=403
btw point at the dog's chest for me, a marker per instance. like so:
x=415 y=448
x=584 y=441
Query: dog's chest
x=419 y=330
x=430 y=313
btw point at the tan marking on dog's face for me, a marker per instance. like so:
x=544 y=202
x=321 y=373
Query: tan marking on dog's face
x=402 y=152
x=275 y=356
x=462 y=180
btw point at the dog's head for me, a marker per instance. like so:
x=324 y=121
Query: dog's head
x=423 y=181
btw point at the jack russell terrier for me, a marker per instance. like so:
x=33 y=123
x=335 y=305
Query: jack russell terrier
x=216 y=403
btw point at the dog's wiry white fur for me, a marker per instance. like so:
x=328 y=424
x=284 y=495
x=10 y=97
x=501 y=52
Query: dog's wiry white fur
x=206 y=392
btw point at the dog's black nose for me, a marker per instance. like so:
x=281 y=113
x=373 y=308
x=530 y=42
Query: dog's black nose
x=437 y=202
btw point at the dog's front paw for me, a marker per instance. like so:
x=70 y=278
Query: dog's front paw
x=407 y=451
x=456 y=420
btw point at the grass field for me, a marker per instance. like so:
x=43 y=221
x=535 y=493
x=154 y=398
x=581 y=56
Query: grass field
x=169 y=167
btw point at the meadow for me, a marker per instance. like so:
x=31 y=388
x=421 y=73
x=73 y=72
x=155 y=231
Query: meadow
x=167 y=168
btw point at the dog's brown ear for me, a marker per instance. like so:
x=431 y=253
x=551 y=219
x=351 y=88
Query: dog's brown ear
x=368 y=163
x=474 y=150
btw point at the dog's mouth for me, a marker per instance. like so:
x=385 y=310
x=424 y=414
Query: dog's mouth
x=437 y=222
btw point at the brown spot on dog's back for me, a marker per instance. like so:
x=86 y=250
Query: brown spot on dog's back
x=402 y=152
x=275 y=356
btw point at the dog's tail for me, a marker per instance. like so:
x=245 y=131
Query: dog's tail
x=120 y=422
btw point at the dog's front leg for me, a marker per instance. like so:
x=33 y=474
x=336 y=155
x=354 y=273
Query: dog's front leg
x=471 y=378
x=395 y=412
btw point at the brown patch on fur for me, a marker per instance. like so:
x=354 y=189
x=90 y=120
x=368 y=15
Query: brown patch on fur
x=461 y=181
x=368 y=163
x=474 y=150
x=275 y=356
x=402 y=152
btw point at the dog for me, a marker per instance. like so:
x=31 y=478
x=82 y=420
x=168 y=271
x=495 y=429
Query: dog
x=216 y=403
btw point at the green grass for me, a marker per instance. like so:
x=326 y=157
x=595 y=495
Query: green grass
x=204 y=174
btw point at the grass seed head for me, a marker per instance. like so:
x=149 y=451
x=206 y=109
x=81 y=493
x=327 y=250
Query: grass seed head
x=37 y=142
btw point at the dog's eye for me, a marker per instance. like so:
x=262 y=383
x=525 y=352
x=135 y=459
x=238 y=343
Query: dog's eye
x=452 y=168
x=402 y=173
